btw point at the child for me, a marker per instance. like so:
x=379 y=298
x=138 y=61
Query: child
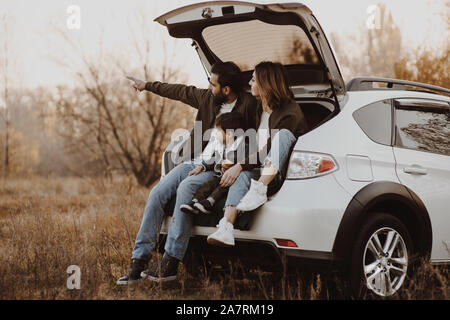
x=231 y=151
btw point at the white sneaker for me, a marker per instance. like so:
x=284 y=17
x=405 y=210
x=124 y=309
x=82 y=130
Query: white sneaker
x=255 y=197
x=223 y=236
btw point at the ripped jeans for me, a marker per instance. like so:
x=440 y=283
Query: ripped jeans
x=278 y=156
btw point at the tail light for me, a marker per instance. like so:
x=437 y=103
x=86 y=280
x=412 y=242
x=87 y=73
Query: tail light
x=286 y=243
x=304 y=165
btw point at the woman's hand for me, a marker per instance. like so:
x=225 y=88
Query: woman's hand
x=138 y=84
x=196 y=171
x=230 y=175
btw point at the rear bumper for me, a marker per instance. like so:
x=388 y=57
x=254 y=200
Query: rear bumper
x=310 y=260
x=264 y=255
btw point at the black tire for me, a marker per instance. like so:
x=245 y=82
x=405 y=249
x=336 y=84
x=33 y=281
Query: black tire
x=379 y=223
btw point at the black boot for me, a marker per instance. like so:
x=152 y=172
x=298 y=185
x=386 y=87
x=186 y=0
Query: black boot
x=165 y=270
x=134 y=272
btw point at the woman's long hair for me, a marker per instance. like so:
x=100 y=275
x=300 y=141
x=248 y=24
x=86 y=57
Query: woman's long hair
x=272 y=81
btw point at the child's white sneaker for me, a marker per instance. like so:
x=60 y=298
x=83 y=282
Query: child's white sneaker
x=223 y=236
x=255 y=197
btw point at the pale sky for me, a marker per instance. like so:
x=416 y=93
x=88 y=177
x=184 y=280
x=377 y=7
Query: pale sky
x=34 y=40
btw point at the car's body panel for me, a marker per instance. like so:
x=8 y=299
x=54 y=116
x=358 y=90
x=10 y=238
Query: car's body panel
x=359 y=168
x=194 y=12
x=342 y=137
x=382 y=196
x=301 y=222
x=433 y=188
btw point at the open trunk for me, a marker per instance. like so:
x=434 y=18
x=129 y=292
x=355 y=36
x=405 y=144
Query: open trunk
x=248 y=33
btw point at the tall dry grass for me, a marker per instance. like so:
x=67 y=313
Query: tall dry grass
x=48 y=224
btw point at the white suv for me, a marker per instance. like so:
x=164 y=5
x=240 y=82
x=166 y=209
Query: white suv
x=367 y=189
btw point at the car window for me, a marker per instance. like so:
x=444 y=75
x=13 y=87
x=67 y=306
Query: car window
x=423 y=125
x=259 y=41
x=376 y=121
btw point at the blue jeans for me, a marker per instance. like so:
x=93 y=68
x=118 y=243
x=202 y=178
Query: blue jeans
x=278 y=156
x=176 y=182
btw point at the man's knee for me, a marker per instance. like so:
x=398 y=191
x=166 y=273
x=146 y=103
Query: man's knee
x=185 y=186
x=192 y=183
x=162 y=189
x=154 y=191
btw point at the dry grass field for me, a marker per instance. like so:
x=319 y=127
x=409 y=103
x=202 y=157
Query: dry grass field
x=48 y=224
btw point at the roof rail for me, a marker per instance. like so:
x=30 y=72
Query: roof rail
x=366 y=83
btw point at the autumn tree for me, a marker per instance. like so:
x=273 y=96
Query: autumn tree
x=117 y=129
x=5 y=114
x=426 y=64
x=374 y=50
x=26 y=137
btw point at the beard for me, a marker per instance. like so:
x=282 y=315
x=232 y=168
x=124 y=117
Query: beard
x=220 y=98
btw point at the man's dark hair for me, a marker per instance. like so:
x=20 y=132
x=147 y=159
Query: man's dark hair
x=229 y=74
x=230 y=121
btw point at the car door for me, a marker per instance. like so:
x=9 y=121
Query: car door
x=422 y=153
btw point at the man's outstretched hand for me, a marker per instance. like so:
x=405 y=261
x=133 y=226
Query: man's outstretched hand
x=138 y=84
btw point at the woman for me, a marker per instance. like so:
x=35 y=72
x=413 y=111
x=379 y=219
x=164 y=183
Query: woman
x=280 y=121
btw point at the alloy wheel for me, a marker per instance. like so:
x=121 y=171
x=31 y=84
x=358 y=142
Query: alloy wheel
x=385 y=262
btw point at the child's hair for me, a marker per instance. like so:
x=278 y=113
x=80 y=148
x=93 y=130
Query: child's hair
x=230 y=121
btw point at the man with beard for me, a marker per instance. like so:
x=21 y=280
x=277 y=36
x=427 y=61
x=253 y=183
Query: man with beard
x=225 y=94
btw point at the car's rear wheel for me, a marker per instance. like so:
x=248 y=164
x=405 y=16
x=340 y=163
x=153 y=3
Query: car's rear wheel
x=381 y=257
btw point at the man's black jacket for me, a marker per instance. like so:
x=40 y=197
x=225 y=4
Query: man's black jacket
x=203 y=101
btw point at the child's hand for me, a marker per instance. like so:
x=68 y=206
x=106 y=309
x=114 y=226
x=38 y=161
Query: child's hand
x=196 y=171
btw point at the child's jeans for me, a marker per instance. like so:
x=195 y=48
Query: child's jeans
x=211 y=189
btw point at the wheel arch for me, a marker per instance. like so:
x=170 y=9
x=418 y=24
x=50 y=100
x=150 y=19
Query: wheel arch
x=389 y=197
